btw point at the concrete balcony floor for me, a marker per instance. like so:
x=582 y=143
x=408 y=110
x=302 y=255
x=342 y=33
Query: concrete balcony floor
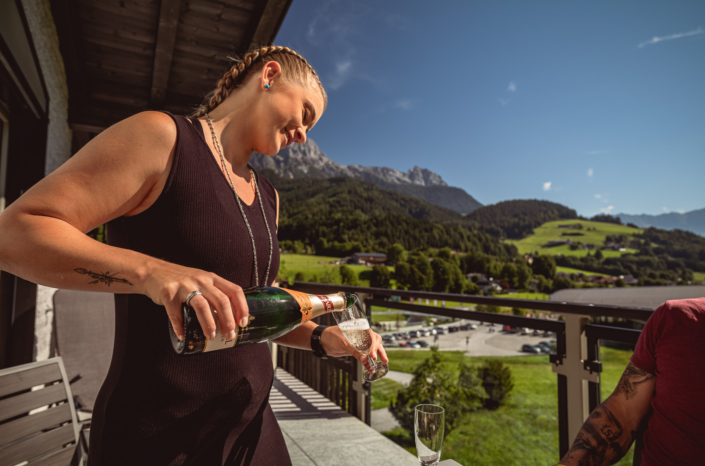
x=319 y=433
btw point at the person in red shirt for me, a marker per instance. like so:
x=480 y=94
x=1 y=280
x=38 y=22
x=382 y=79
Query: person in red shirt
x=667 y=374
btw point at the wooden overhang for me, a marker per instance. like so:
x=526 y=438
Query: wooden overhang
x=126 y=56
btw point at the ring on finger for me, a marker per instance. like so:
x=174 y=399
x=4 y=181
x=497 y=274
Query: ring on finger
x=191 y=295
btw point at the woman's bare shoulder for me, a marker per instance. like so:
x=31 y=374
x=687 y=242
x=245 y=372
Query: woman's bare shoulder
x=120 y=172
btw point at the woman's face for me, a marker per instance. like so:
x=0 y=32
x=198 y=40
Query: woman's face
x=286 y=113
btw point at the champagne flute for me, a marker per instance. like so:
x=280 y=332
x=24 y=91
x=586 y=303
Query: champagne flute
x=356 y=328
x=429 y=426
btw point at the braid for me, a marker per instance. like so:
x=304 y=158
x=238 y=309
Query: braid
x=236 y=74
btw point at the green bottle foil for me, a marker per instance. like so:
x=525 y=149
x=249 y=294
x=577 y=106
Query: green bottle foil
x=273 y=313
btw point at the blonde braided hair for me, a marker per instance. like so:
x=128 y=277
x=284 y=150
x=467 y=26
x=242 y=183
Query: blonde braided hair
x=295 y=68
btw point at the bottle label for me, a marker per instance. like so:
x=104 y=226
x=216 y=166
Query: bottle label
x=304 y=301
x=220 y=342
x=327 y=303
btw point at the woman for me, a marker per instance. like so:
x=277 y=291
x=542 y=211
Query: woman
x=185 y=213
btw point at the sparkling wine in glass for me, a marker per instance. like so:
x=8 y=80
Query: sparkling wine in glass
x=429 y=426
x=356 y=328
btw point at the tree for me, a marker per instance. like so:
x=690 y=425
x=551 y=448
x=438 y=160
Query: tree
x=544 y=265
x=395 y=254
x=509 y=274
x=447 y=276
x=348 y=275
x=402 y=274
x=561 y=283
x=523 y=275
x=421 y=273
x=380 y=276
x=497 y=380
x=434 y=384
x=300 y=277
x=598 y=255
x=619 y=283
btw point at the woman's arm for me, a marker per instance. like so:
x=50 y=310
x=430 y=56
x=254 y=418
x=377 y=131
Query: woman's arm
x=121 y=172
x=609 y=430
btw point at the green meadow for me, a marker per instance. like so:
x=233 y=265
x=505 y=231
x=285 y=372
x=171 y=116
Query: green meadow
x=550 y=231
x=522 y=432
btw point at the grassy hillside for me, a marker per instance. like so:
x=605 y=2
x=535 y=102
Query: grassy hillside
x=525 y=430
x=313 y=270
x=550 y=231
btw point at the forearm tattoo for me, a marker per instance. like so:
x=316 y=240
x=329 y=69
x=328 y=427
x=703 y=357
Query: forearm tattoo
x=598 y=442
x=630 y=381
x=102 y=277
x=602 y=440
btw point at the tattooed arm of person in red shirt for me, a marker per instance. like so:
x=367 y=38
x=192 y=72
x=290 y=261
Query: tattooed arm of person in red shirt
x=610 y=429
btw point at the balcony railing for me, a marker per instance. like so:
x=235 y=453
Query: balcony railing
x=576 y=360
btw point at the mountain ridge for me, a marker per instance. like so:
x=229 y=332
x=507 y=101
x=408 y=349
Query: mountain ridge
x=693 y=221
x=308 y=161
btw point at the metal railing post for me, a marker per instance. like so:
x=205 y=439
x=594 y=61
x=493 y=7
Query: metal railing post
x=572 y=367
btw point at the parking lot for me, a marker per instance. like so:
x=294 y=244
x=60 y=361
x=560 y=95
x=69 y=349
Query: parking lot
x=479 y=342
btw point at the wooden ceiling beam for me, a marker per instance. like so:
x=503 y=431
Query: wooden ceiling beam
x=169 y=12
x=271 y=18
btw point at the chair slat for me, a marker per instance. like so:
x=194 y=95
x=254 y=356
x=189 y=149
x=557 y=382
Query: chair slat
x=13 y=383
x=58 y=458
x=38 y=445
x=26 y=402
x=13 y=430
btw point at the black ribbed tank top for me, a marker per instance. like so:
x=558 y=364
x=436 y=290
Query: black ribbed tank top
x=158 y=408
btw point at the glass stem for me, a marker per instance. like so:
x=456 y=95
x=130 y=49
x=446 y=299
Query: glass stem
x=371 y=362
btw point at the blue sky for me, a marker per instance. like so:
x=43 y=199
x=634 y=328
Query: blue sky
x=597 y=105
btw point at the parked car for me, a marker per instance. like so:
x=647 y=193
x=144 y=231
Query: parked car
x=464 y=326
x=431 y=332
x=531 y=349
x=548 y=333
x=547 y=346
x=472 y=327
x=537 y=333
x=442 y=330
x=423 y=343
x=390 y=343
x=453 y=329
x=403 y=344
x=526 y=331
x=389 y=337
x=414 y=344
x=414 y=334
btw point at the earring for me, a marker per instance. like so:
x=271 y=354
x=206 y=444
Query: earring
x=266 y=86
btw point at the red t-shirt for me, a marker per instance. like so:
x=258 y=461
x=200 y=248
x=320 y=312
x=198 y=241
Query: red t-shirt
x=672 y=347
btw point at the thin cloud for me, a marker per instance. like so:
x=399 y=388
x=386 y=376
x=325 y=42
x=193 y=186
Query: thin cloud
x=512 y=87
x=665 y=209
x=598 y=196
x=607 y=210
x=656 y=39
x=503 y=102
x=590 y=172
x=547 y=186
x=343 y=70
x=404 y=104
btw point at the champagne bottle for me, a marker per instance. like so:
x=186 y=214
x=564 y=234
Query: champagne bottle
x=273 y=312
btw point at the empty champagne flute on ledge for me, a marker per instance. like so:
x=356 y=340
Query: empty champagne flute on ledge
x=356 y=328
x=429 y=427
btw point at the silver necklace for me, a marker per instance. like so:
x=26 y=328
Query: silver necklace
x=242 y=211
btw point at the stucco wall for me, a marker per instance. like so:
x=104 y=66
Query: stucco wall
x=46 y=42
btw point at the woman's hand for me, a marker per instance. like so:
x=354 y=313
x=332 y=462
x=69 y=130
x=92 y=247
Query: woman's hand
x=335 y=344
x=170 y=284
